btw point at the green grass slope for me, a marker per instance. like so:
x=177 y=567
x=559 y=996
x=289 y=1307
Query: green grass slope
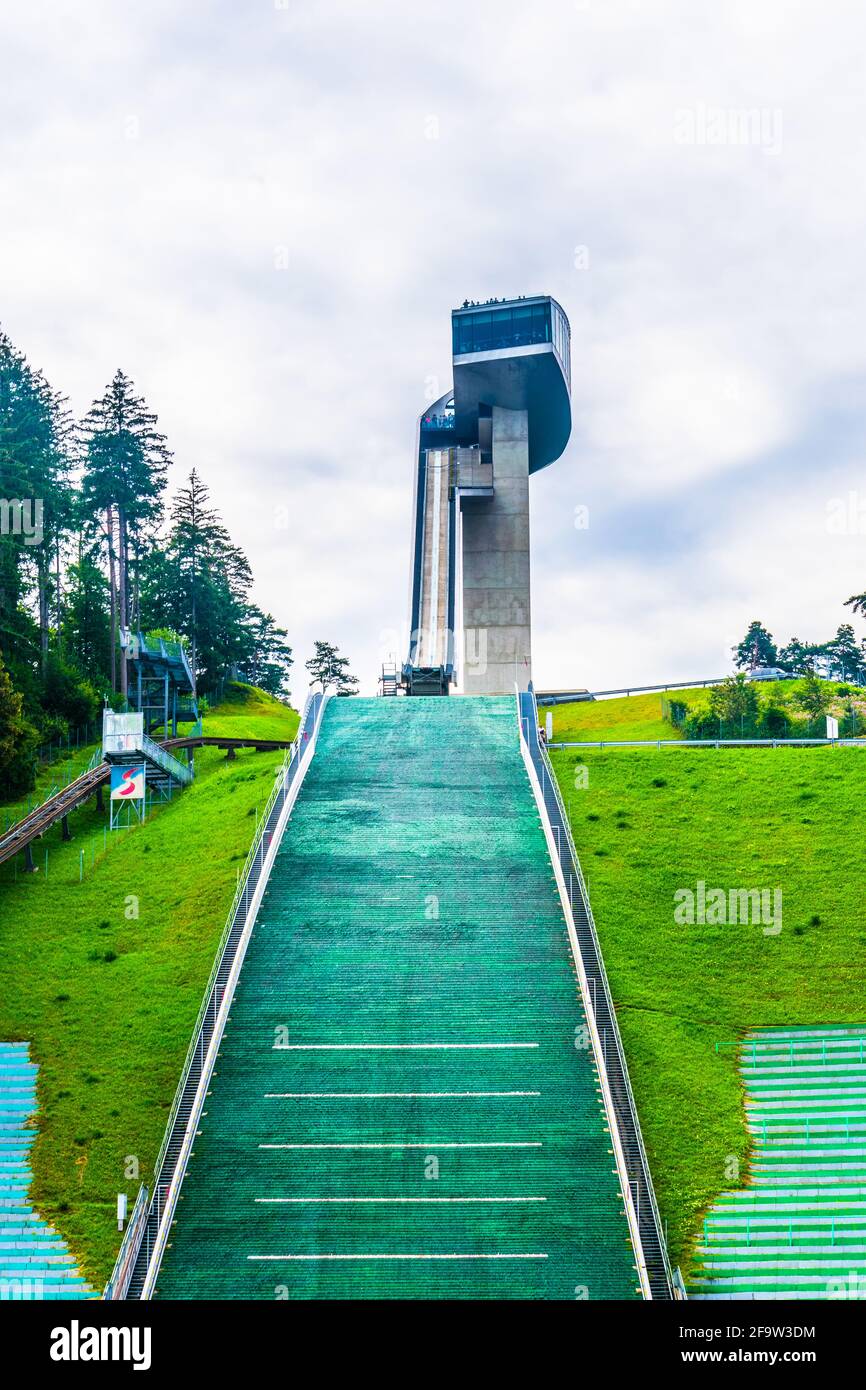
x=628 y=716
x=104 y=977
x=642 y=717
x=649 y=823
x=246 y=712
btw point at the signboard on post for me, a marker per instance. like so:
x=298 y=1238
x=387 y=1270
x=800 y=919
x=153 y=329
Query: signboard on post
x=832 y=727
x=127 y=783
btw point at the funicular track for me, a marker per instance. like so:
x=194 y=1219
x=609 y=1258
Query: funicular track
x=55 y=808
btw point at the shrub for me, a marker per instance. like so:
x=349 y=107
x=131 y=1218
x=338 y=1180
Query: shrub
x=773 y=722
x=68 y=694
x=677 y=711
x=18 y=741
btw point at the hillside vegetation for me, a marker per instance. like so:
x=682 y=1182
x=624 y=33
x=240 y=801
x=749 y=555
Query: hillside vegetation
x=48 y=777
x=647 y=824
x=104 y=976
x=247 y=712
x=644 y=716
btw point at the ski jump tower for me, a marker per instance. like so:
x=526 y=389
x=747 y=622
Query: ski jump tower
x=508 y=415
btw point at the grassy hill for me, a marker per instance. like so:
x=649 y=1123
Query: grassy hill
x=648 y=823
x=642 y=717
x=104 y=976
x=246 y=711
x=633 y=716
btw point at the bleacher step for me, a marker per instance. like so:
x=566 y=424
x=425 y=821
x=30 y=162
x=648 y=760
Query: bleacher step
x=800 y=1227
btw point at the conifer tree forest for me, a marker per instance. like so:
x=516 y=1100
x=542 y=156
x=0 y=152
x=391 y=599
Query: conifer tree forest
x=92 y=547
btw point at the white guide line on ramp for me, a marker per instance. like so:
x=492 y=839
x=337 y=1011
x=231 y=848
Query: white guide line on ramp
x=391 y=1201
x=395 y=1047
x=529 y=1255
x=431 y=1144
x=386 y=1095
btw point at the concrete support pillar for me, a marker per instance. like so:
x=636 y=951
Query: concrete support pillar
x=496 y=613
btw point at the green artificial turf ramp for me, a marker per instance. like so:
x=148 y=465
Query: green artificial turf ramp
x=403 y=1106
x=799 y=1229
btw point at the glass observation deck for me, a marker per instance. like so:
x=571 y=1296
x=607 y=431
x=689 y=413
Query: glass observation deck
x=512 y=324
x=442 y=421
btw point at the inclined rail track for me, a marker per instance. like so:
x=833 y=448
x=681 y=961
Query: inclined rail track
x=34 y=825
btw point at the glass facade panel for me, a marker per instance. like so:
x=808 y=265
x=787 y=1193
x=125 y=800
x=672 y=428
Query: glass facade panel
x=562 y=339
x=489 y=330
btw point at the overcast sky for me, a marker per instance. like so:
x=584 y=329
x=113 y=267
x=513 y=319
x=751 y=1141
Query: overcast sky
x=264 y=214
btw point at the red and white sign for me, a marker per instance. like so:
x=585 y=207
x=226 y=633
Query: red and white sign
x=127 y=783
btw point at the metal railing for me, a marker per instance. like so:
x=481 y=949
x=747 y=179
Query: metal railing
x=802 y=1051
x=812 y=1132
x=567 y=697
x=163 y=650
x=65 y=748
x=711 y=742
x=171 y=765
x=32 y=826
x=123 y=1266
x=662 y=1281
x=438 y=422
x=167 y=1164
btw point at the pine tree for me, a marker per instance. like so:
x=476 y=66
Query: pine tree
x=197 y=539
x=757 y=648
x=843 y=654
x=86 y=626
x=51 y=462
x=330 y=669
x=14 y=483
x=35 y=446
x=124 y=479
x=799 y=656
x=270 y=658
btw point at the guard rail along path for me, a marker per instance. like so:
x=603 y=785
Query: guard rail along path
x=660 y=743
x=141 y=1252
x=661 y=1281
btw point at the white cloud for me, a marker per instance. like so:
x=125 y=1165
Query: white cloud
x=159 y=162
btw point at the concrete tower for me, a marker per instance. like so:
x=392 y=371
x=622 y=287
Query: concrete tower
x=508 y=415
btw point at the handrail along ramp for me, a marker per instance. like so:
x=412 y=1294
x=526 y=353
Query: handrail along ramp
x=662 y=1282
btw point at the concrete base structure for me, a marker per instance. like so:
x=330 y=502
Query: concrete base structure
x=495 y=568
